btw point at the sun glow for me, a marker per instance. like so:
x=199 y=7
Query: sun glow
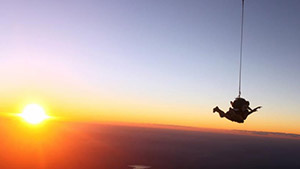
x=34 y=114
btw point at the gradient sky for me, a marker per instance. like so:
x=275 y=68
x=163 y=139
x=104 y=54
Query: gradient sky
x=166 y=62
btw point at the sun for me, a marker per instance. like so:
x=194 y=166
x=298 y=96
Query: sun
x=34 y=114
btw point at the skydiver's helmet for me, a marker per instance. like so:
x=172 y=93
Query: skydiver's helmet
x=240 y=104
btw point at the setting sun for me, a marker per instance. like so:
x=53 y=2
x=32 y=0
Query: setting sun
x=34 y=114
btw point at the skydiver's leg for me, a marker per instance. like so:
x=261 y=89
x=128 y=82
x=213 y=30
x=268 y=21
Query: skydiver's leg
x=230 y=115
x=221 y=112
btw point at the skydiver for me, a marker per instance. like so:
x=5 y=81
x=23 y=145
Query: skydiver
x=239 y=112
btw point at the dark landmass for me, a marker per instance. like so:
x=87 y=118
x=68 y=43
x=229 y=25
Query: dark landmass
x=263 y=133
x=99 y=146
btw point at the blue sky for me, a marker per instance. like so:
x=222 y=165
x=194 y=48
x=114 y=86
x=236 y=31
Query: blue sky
x=169 y=52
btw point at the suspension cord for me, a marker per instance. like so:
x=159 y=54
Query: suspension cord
x=241 y=49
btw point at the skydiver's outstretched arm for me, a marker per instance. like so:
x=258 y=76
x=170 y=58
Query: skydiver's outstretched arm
x=254 y=110
x=247 y=113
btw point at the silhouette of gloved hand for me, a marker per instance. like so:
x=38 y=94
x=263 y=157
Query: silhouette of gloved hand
x=257 y=108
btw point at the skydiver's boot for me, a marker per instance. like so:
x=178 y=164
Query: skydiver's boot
x=221 y=113
x=216 y=109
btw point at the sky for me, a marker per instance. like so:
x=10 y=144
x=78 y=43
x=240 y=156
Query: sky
x=163 y=62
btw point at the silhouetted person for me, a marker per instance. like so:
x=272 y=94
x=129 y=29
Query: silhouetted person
x=239 y=112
